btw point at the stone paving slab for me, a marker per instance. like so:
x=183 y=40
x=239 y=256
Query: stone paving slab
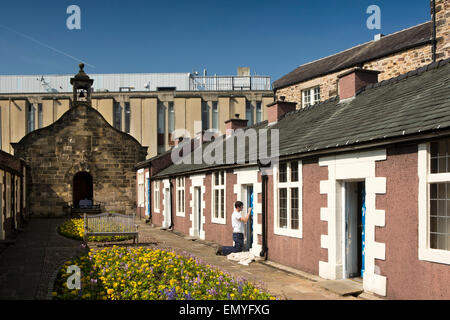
x=344 y=287
x=26 y=267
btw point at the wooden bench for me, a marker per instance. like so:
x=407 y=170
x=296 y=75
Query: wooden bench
x=110 y=224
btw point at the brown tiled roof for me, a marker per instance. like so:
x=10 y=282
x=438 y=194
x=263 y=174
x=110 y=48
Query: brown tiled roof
x=409 y=38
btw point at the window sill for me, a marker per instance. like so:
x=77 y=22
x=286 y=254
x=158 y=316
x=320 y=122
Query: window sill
x=180 y=214
x=288 y=233
x=434 y=255
x=219 y=221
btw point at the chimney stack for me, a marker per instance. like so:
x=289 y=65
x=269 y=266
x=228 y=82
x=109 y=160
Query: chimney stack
x=277 y=109
x=354 y=80
x=441 y=21
x=235 y=124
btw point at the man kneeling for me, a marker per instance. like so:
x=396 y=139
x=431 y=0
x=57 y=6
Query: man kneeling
x=237 y=221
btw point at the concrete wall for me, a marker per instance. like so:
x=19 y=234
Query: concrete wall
x=143 y=122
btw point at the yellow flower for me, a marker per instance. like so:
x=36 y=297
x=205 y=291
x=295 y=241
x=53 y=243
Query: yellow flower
x=110 y=291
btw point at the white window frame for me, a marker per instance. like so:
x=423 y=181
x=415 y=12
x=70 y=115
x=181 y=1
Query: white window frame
x=312 y=96
x=141 y=180
x=156 y=196
x=425 y=179
x=288 y=232
x=180 y=189
x=218 y=219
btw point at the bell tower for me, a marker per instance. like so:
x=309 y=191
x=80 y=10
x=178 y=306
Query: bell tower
x=82 y=86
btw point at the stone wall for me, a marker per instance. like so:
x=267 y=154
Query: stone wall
x=81 y=140
x=442 y=29
x=390 y=67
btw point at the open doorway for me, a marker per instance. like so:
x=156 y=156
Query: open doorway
x=197 y=211
x=83 y=189
x=353 y=208
x=247 y=196
x=167 y=207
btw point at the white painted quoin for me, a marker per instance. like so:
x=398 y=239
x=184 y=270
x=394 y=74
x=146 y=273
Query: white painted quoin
x=167 y=203
x=358 y=166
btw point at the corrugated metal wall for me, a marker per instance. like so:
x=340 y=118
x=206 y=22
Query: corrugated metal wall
x=110 y=82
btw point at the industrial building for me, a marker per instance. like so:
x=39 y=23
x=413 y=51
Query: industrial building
x=148 y=106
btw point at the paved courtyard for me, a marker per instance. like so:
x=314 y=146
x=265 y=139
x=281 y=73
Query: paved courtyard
x=28 y=268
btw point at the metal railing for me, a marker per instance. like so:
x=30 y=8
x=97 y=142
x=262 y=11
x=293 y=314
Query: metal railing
x=229 y=83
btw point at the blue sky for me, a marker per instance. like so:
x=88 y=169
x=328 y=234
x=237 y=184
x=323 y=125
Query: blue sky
x=270 y=37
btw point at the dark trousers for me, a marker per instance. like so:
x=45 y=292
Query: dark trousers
x=238 y=239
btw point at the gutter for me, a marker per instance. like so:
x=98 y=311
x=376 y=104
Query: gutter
x=149 y=198
x=171 y=204
x=264 y=179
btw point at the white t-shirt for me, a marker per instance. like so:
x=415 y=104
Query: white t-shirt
x=238 y=225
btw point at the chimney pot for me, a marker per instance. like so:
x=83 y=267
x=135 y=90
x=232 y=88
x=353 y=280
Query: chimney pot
x=354 y=80
x=277 y=109
x=235 y=124
x=378 y=36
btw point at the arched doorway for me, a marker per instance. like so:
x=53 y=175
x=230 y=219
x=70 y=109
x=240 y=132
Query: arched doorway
x=82 y=188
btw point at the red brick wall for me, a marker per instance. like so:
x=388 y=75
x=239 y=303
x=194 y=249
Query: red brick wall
x=407 y=276
x=304 y=253
x=181 y=224
x=220 y=233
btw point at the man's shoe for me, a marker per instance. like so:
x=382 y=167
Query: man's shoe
x=219 y=251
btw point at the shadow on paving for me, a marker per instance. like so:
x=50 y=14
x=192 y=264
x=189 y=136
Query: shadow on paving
x=27 y=266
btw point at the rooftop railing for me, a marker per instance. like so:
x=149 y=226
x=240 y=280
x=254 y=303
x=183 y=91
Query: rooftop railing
x=229 y=83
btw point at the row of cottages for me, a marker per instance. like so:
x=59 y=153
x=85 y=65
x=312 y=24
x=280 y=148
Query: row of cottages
x=355 y=186
x=13 y=200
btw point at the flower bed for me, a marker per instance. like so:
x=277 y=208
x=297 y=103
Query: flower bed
x=74 y=228
x=120 y=273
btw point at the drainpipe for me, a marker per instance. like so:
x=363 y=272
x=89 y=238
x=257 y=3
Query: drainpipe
x=150 y=197
x=264 y=180
x=171 y=204
x=434 y=44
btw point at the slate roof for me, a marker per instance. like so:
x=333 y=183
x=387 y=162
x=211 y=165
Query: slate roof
x=409 y=38
x=417 y=102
